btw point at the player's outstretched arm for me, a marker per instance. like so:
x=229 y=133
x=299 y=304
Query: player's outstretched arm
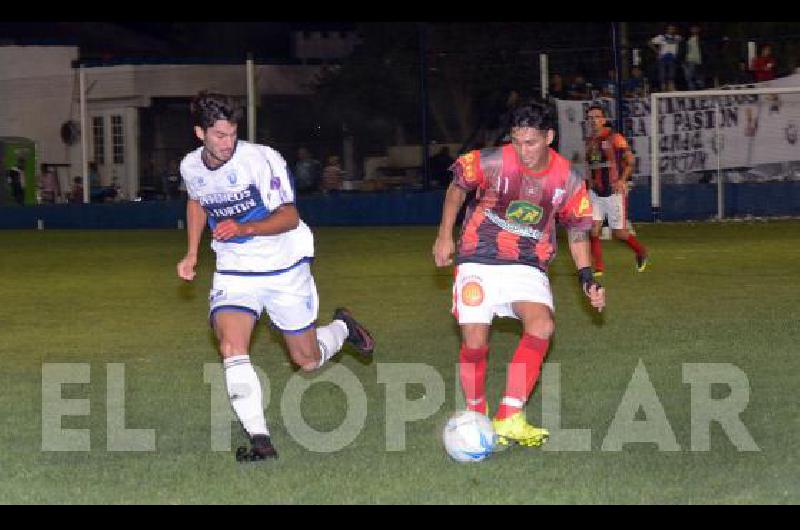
x=582 y=256
x=284 y=218
x=444 y=247
x=195 y=223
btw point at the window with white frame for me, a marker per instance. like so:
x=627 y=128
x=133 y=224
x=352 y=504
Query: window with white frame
x=98 y=139
x=117 y=139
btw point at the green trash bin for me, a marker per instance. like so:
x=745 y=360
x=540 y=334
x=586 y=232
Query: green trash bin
x=18 y=160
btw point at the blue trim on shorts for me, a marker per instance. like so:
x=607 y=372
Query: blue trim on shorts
x=239 y=308
x=294 y=331
x=307 y=259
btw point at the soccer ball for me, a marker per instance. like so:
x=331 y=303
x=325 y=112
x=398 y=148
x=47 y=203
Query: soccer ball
x=469 y=436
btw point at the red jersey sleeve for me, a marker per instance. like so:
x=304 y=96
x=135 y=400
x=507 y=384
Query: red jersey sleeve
x=576 y=209
x=467 y=171
x=620 y=143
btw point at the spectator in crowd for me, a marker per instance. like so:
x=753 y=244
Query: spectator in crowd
x=692 y=54
x=634 y=86
x=578 y=89
x=49 y=185
x=307 y=171
x=173 y=180
x=763 y=66
x=332 y=175
x=98 y=192
x=16 y=180
x=608 y=86
x=557 y=90
x=666 y=48
x=76 y=193
x=438 y=165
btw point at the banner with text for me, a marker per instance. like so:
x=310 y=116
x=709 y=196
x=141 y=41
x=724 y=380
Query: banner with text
x=744 y=130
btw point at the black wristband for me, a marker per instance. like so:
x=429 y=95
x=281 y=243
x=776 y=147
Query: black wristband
x=585 y=275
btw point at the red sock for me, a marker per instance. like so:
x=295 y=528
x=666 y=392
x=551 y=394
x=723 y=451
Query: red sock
x=597 y=253
x=635 y=245
x=472 y=371
x=523 y=372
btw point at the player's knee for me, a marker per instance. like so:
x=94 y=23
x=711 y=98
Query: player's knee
x=231 y=347
x=542 y=327
x=620 y=234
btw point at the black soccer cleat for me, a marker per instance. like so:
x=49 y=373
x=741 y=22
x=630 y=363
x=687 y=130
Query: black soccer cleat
x=358 y=335
x=260 y=449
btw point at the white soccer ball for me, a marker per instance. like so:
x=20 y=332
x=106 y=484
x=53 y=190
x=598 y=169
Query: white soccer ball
x=469 y=436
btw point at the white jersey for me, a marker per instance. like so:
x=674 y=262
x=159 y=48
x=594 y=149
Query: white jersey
x=248 y=187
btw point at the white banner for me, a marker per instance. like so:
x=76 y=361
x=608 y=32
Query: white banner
x=754 y=129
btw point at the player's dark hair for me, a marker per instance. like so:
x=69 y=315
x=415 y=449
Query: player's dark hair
x=595 y=106
x=537 y=114
x=208 y=107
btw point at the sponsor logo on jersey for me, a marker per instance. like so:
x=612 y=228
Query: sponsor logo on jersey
x=524 y=213
x=514 y=228
x=230 y=204
x=472 y=294
x=557 y=194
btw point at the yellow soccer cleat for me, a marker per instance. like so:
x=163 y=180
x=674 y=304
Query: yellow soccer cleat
x=641 y=263
x=515 y=430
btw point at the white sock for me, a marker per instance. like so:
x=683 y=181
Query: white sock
x=244 y=391
x=330 y=339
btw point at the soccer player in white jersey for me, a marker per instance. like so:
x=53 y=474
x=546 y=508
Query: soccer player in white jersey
x=264 y=250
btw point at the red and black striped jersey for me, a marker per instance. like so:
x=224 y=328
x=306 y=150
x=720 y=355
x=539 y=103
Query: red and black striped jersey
x=512 y=218
x=605 y=154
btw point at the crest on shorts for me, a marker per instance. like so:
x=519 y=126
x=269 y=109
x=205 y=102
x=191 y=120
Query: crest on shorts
x=472 y=294
x=215 y=294
x=524 y=213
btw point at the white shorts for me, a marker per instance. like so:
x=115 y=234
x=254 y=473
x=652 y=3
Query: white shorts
x=482 y=292
x=289 y=297
x=613 y=207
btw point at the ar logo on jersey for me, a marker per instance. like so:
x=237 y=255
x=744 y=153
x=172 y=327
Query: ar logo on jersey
x=275 y=183
x=524 y=212
x=232 y=178
x=557 y=194
x=201 y=182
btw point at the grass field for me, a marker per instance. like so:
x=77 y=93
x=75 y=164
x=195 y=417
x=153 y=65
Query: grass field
x=714 y=293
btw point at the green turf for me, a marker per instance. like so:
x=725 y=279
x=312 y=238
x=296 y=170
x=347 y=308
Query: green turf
x=714 y=293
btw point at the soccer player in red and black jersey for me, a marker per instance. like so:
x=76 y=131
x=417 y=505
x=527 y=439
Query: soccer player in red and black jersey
x=508 y=239
x=611 y=164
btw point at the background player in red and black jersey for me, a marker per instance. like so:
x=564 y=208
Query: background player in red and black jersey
x=508 y=239
x=611 y=164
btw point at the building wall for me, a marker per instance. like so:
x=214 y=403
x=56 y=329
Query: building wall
x=37 y=85
x=40 y=91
